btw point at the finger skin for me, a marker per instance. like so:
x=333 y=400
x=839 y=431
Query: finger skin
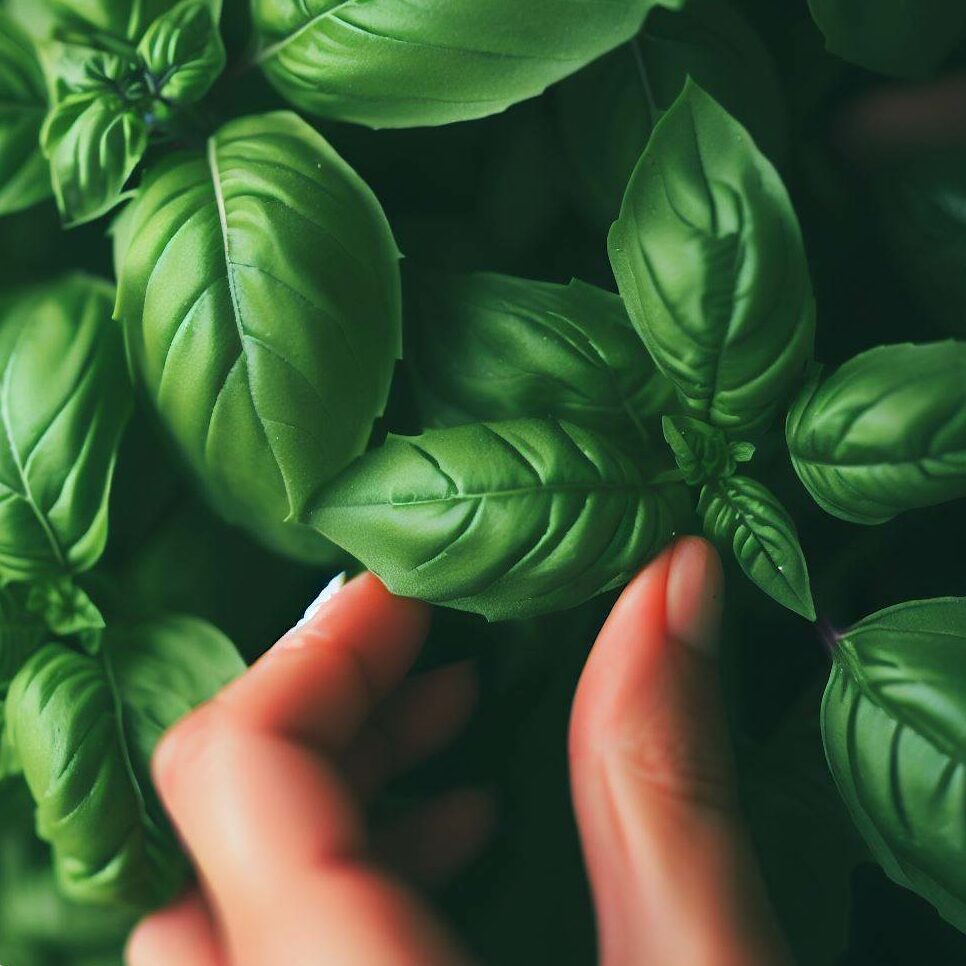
x=184 y=933
x=270 y=821
x=674 y=875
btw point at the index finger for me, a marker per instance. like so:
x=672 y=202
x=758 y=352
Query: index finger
x=320 y=682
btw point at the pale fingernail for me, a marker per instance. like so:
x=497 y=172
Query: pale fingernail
x=694 y=595
x=328 y=592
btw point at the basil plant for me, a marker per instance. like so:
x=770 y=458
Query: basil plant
x=626 y=313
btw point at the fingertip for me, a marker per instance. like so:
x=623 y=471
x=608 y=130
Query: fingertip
x=695 y=583
x=181 y=933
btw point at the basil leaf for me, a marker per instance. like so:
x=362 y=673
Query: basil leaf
x=398 y=64
x=742 y=515
x=708 y=257
x=84 y=729
x=183 y=52
x=94 y=142
x=892 y=36
x=65 y=398
x=64 y=607
x=706 y=40
x=701 y=452
x=508 y=519
x=490 y=347
x=24 y=178
x=894 y=727
x=885 y=433
x=259 y=289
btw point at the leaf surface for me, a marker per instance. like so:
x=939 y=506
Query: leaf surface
x=84 y=728
x=884 y=433
x=406 y=63
x=24 y=178
x=708 y=256
x=741 y=514
x=65 y=397
x=259 y=290
x=507 y=519
x=493 y=347
x=894 y=727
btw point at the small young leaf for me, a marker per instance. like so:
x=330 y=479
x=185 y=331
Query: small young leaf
x=24 y=176
x=893 y=37
x=894 y=727
x=260 y=295
x=183 y=52
x=701 y=451
x=63 y=607
x=708 y=256
x=492 y=347
x=885 y=433
x=742 y=452
x=707 y=40
x=94 y=141
x=742 y=515
x=508 y=519
x=65 y=397
x=401 y=64
x=84 y=728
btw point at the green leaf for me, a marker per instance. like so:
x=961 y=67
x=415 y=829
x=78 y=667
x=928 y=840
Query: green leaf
x=701 y=451
x=38 y=926
x=742 y=515
x=260 y=295
x=398 y=64
x=706 y=40
x=491 y=347
x=893 y=37
x=63 y=606
x=65 y=397
x=84 y=728
x=885 y=433
x=24 y=178
x=183 y=52
x=708 y=257
x=93 y=141
x=508 y=519
x=894 y=727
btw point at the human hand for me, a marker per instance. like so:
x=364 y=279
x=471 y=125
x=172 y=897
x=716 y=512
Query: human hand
x=259 y=783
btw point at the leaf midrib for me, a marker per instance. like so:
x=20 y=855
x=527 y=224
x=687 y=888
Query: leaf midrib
x=269 y=52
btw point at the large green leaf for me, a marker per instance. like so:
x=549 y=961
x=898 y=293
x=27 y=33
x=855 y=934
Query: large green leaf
x=894 y=726
x=183 y=52
x=94 y=141
x=904 y=38
x=608 y=110
x=742 y=515
x=490 y=347
x=65 y=398
x=259 y=289
x=405 y=63
x=506 y=519
x=24 y=178
x=884 y=433
x=709 y=259
x=84 y=729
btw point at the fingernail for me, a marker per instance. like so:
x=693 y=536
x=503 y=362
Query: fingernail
x=328 y=592
x=694 y=595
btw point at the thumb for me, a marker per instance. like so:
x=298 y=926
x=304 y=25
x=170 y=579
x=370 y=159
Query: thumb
x=673 y=871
